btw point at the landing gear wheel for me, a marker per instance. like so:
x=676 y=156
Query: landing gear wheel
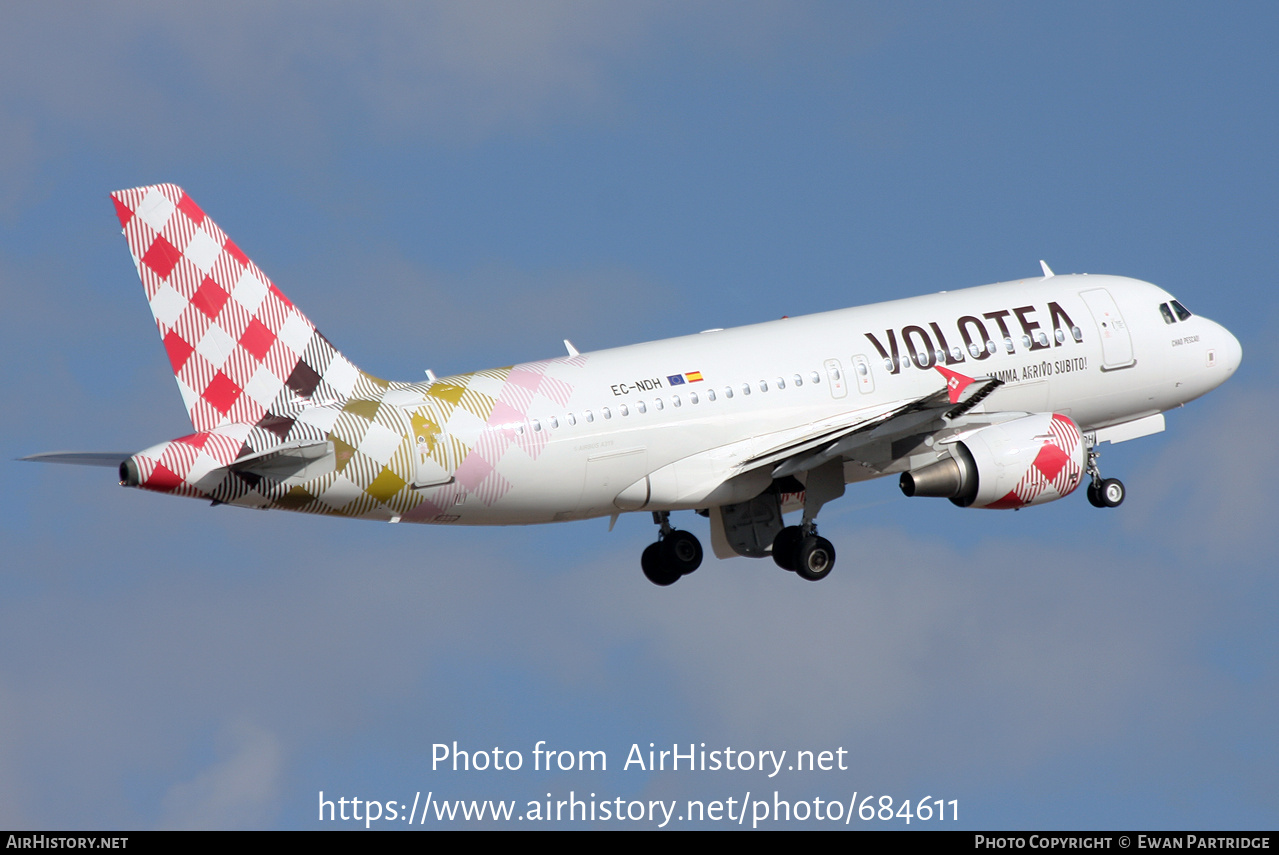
x=815 y=559
x=786 y=547
x=656 y=570
x=1103 y=492
x=1112 y=493
x=681 y=552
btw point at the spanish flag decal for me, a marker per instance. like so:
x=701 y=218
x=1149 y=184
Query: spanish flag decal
x=694 y=376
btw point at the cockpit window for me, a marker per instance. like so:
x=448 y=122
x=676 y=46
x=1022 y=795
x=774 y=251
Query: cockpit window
x=1182 y=312
x=1167 y=313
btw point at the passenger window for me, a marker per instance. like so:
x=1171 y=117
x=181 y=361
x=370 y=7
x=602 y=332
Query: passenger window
x=1167 y=313
x=1008 y=345
x=781 y=384
x=537 y=425
x=590 y=417
x=623 y=409
x=555 y=422
x=608 y=414
x=728 y=391
x=675 y=400
x=572 y=419
x=710 y=394
x=763 y=385
x=815 y=377
x=746 y=388
x=692 y=397
x=639 y=405
x=799 y=381
x=658 y=403
x=1077 y=333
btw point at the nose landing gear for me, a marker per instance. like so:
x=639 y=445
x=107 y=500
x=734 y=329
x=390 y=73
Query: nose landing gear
x=1106 y=493
x=1103 y=492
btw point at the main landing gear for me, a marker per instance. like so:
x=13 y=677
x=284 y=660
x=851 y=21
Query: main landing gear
x=804 y=553
x=676 y=553
x=798 y=548
x=754 y=529
x=1103 y=492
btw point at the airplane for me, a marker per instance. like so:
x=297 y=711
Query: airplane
x=993 y=397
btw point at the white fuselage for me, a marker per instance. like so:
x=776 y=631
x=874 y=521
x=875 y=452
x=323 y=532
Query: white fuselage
x=1094 y=348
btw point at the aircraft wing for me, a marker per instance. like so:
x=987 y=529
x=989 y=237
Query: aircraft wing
x=912 y=418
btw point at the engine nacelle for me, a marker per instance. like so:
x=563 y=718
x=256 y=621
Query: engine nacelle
x=1027 y=461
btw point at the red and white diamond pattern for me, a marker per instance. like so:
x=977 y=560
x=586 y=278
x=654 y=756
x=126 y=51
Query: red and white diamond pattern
x=1056 y=470
x=234 y=340
x=176 y=466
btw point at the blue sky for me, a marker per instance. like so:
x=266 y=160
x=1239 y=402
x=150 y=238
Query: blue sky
x=460 y=186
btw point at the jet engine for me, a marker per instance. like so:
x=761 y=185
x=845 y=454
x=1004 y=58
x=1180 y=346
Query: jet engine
x=1027 y=461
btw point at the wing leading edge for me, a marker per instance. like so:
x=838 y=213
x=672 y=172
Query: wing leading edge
x=923 y=415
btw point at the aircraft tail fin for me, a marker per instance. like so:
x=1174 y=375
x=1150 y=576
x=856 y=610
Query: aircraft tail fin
x=240 y=350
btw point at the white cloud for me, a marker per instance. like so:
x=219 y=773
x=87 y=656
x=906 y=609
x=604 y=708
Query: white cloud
x=1212 y=488
x=241 y=790
x=284 y=80
x=153 y=75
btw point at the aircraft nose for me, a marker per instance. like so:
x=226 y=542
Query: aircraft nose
x=1230 y=352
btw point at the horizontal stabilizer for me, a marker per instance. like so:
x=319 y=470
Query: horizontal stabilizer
x=279 y=464
x=80 y=458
